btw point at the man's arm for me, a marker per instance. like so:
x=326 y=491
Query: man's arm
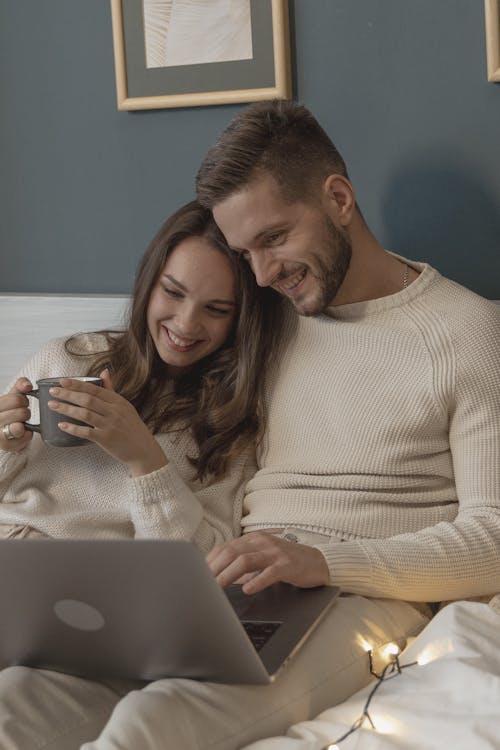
x=458 y=558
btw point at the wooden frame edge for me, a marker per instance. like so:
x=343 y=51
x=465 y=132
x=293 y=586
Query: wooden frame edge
x=282 y=70
x=119 y=53
x=281 y=45
x=492 y=23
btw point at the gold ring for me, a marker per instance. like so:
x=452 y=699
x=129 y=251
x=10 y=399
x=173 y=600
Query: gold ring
x=6 y=432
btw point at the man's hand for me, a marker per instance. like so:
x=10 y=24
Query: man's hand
x=259 y=559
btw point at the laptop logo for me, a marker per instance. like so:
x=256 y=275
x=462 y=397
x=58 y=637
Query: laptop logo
x=78 y=615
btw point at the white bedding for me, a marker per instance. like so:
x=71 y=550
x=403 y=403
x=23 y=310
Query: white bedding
x=451 y=702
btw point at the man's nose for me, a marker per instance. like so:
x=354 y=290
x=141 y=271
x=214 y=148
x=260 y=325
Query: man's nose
x=265 y=267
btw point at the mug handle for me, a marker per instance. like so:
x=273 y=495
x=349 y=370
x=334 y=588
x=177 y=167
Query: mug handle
x=28 y=425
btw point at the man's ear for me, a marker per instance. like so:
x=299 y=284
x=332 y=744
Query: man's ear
x=339 y=198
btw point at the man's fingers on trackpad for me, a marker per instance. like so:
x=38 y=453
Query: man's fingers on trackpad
x=247 y=577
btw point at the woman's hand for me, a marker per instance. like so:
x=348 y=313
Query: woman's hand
x=112 y=421
x=14 y=410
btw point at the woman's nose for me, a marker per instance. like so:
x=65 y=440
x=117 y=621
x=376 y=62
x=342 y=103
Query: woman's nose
x=188 y=320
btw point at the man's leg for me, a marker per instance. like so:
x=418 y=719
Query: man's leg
x=43 y=710
x=332 y=665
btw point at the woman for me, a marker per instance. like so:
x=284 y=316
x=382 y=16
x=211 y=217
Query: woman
x=172 y=432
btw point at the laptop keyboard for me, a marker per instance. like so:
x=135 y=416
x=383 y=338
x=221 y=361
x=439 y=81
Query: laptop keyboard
x=259 y=632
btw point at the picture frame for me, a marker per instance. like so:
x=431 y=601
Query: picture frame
x=492 y=21
x=263 y=72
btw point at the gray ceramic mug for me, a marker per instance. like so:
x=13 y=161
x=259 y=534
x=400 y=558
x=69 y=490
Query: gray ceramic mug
x=48 y=429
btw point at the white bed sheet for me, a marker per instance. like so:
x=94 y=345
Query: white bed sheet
x=450 y=702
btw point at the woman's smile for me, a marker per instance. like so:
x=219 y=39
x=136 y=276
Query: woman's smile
x=179 y=343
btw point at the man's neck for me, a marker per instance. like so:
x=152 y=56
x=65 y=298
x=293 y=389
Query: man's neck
x=373 y=272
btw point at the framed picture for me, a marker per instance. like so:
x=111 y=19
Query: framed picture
x=188 y=53
x=492 y=18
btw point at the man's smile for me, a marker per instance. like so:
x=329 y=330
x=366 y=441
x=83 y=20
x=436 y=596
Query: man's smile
x=290 y=285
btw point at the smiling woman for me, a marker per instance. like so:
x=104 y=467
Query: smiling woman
x=172 y=433
x=193 y=304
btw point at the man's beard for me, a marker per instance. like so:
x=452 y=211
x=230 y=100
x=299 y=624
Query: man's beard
x=332 y=267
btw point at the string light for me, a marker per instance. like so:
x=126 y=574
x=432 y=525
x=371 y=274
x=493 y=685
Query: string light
x=366 y=647
x=393 y=668
x=392 y=649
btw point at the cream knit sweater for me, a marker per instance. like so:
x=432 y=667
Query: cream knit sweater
x=384 y=433
x=84 y=492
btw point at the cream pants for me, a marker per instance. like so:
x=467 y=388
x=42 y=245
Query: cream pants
x=46 y=710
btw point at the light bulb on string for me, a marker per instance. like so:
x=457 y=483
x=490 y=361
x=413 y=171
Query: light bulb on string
x=392 y=649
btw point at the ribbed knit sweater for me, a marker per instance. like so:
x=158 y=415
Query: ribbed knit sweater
x=384 y=434
x=83 y=492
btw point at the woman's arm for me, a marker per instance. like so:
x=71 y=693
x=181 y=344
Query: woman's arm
x=51 y=360
x=167 y=505
x=164 y=502
x=15 y=409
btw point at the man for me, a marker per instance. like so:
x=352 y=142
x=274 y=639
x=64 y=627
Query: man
x=384 y=422
x=380 y=468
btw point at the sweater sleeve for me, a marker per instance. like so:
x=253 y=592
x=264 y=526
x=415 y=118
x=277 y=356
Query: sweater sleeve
x=166 y=505
x=456 y=559
x=10 y=466
x=52 y=359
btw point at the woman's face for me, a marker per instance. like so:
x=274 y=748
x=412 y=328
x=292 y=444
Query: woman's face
x=192 y=305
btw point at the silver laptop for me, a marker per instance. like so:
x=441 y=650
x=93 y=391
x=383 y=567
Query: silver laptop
x=144 y=609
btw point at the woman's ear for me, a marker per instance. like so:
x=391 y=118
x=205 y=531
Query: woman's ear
x=339 y=198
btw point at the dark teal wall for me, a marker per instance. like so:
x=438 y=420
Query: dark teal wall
x=399 y=84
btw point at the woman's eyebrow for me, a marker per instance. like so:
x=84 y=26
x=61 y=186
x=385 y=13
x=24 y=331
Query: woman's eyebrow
x=174 y=281
x=178 y=284
x=229 y=302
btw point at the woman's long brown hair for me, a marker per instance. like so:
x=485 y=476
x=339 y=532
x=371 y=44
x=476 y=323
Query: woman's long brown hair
x=221 y=398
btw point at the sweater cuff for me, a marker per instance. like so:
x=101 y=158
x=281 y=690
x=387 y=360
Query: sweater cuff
x=348 y=564
x=9 y=462
x=166 y=488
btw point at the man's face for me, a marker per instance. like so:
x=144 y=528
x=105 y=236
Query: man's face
x=293 y=247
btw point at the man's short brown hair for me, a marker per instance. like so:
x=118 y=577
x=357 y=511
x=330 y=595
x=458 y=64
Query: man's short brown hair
x=278 y=137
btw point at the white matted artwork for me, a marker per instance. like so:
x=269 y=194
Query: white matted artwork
x=194 y=32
